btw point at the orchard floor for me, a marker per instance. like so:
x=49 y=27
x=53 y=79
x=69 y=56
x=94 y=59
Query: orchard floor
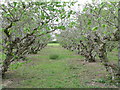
x=67 y=71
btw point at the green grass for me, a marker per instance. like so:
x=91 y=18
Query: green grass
x=54 y=56
x=53 y=44
x=113 y=56
x=68 y=71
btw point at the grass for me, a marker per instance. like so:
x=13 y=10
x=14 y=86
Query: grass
x=113 y=56
x=67 y=71
x=54 y=56
x=53 y=44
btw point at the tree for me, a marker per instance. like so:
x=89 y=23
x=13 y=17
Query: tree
x=97 y=30
x=24 y=23
x=119 y=44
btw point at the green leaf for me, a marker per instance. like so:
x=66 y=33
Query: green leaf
x=47 y=17
x=57 y=20
x=58 y=5
x=1 y=29
x=15 y=3
x=42 y=16
x=89 y=22
x=72 y=24
x=105 y=32
x=48 y=35
x=61 y=27
x=68 y=15
x=70 y=12
x=47 y=28
x=104 y=25
x=94 y=28
x=102 y=4
x=85 y=9
x=7 y=15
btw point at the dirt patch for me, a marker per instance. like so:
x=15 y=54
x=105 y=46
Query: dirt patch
x=6 y=83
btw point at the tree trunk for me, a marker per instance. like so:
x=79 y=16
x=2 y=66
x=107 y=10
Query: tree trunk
x=103 y=56
x=6 y=65
x=118 y=73
x=110 y=68
x=7 y=61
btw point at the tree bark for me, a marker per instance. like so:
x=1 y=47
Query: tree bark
x=9 y=56
x=6 y=65
x=118 y=73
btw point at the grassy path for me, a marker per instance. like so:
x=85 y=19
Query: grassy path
x=67 y=71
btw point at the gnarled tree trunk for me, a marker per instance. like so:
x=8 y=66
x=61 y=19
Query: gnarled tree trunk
x=118 y=73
